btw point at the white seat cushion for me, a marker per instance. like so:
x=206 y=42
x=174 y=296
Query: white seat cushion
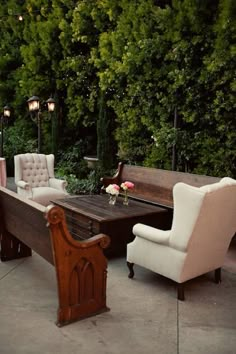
x=44 y=195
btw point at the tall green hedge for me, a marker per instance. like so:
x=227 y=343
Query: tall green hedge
x=149 y=58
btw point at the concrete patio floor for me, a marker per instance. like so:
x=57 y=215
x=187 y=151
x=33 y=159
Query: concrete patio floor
x=145 y=316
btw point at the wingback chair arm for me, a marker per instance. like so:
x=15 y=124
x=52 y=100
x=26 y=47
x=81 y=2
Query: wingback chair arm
x=24 y=189
x=152 y=234
x=24 y=185
x=58 y=184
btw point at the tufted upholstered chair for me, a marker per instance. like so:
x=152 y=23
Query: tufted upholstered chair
x=203 y=225
x=34 y=178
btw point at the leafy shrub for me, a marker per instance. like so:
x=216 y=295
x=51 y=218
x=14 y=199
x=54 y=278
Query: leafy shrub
x=70 y=161
x=89 y=185
x=17 y=140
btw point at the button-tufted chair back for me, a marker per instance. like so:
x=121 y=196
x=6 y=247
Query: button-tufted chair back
x=34 y=178
x=35 y=169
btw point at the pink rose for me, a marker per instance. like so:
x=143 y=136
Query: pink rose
x=127 y=185
x=113 y=189
x=115 y=186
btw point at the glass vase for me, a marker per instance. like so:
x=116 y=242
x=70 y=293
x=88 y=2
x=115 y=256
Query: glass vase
x=112 y=199
x=126 y=199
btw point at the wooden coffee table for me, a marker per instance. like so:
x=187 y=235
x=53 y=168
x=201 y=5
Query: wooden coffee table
x=89 y=215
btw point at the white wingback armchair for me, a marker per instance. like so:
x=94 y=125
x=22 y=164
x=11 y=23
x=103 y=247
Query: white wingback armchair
x=34 y=178
x=204 y=223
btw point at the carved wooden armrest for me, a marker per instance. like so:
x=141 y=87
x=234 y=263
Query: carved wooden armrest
x=106 y=180
x=56 y=221
x=81 y=269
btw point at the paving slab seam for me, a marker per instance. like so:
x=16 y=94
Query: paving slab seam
x=17 y=265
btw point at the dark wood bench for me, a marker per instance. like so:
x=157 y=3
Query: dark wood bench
x=81 y=267
x=153 y=185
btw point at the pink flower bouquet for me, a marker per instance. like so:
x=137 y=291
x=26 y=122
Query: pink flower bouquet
x=127 y=185
x=113 y=189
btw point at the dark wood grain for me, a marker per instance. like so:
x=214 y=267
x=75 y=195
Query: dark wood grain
x=154 y=185
x=90 y=214
x=26 y=223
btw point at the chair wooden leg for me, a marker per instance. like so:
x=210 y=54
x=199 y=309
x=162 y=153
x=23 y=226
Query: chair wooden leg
x=218 y=275
x=180 y=291
x=131 y=270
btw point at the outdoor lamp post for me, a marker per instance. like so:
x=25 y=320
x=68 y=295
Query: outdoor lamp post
x=51 y=105
x=34 y=108
x=4 y=119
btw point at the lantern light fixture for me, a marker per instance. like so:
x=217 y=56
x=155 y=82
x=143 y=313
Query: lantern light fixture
x=51 y=104
x=4 y=120
x=33 y=104
x=7 y=111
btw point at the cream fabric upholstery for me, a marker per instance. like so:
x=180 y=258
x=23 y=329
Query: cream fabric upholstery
x=204 y=223
x=34 y=177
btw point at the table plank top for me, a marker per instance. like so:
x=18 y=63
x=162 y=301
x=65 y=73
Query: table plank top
x=97 y=207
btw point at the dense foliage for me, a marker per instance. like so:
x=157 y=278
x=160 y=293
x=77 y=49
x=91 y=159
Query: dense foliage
x=120 y=72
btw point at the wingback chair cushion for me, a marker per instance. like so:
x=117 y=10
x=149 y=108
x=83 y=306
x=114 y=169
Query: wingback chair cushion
x=204 y=222
x=34 y=177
